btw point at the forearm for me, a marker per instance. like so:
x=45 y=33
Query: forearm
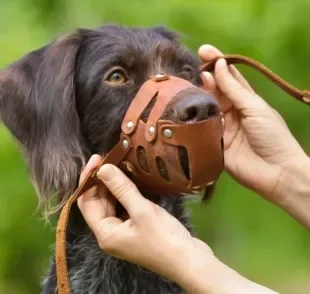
x=205 y=274
x=293 y=192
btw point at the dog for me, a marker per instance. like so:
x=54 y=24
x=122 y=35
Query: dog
x=65 y=102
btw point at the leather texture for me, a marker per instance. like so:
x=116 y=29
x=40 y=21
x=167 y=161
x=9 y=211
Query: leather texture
x=205 y=157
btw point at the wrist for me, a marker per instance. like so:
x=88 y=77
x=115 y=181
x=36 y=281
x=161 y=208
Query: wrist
x=293 y=190
x=196 y=270
x=202 y=273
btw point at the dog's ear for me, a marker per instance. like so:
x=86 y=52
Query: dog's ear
x=166 y=33
x=37 y=104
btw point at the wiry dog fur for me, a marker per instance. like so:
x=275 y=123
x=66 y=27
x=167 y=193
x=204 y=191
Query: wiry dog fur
x=57 y=105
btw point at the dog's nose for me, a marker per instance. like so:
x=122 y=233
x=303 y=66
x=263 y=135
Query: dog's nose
x=195 y=108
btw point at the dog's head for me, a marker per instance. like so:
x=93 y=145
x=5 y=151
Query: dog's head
x=67 y=100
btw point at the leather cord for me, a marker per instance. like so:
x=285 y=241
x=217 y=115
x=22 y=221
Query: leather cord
x=301 y=95
x=118 y=153
x=63 y=282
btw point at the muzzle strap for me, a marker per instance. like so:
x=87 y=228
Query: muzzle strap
x=165 y=93
x=115 y=156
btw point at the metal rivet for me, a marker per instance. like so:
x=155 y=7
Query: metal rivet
x=129 y=125
x=306 y=99
x=151 y=131
x=223 y=121
x=168 y=133
x=159 y=76
x=125 y=144
x=210 y=184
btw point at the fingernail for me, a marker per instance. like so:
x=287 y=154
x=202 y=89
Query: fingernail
x=207 y=75
x=205 y=47
x=106 y=172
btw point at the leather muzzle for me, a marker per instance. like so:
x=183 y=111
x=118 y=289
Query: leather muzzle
x=162 y=140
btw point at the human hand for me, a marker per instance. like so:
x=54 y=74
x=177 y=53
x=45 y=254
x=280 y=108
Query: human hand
x=153 y=238
x=150 y=237
x=260 y=151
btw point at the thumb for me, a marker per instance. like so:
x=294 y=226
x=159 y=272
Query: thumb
x=239 y=95
x=124 y=190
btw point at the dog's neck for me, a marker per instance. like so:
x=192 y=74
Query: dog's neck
x=93 y=271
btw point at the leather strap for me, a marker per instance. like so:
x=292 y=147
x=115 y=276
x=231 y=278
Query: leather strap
x=301 y=95
x=63 y=282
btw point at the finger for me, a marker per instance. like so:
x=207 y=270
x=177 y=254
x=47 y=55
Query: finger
x=240 y=78
x=208 y=53
x=208 y=82
x=239 y=96
x=210 y=86
x=96 y=204
x=124 y=190
x=93 y=163
x=103 y=231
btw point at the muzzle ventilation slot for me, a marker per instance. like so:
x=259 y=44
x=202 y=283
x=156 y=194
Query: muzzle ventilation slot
x=184 y=161
x=141 y=158
x=162 y=168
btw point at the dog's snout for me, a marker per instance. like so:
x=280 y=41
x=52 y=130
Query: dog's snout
x=195 y=108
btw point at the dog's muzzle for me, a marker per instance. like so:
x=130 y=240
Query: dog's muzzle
x=162 y=140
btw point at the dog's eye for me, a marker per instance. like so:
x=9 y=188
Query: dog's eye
x=117 y=76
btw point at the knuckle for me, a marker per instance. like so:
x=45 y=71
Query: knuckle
x=148 y=211
x=155 y=209
x=142 y=212
x=123 y=189
x=105 y=245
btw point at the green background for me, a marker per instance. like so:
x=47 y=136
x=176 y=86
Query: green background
x=246 y=232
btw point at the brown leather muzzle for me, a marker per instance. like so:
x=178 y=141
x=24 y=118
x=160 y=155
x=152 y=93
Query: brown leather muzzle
x=162 y=140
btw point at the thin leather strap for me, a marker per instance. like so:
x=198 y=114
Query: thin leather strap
x=63 y=282
x=301 y=95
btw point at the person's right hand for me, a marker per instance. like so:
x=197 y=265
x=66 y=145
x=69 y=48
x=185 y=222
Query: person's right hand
x=260 y=151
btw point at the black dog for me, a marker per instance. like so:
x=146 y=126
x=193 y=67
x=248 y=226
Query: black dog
x=65 y=102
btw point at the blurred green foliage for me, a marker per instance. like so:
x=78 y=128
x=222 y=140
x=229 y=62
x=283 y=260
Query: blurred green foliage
x=247 y=233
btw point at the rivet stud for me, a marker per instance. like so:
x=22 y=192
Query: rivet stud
x=168 y=133
x=129 y=125
x=151 y=130
x=223 y=121
x=159 y=76
x=125 y=144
